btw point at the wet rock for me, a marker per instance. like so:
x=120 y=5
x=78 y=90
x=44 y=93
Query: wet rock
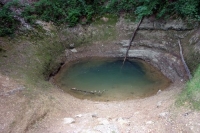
x=68 y=120
x=167 y=63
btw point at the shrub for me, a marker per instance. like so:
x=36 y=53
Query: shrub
x=8 y=24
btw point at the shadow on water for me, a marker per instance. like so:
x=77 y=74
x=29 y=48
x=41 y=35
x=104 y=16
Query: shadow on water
x=104 y=79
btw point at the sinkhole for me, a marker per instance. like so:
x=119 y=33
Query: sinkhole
x=106 y=80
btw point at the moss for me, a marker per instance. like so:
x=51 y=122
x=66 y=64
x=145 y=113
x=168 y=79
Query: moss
x=130 y=17
x=111 y=19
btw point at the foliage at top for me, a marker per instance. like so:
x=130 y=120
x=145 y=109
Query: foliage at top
x=7 y=22
x=72 y=12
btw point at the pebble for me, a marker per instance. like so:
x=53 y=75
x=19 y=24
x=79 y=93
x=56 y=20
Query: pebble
x=69 y=120
x=73 y=50
x=103 y=121
x=123 y=121
x=163 y=114
x=149 y=122
x=159 y=104
x=79 y=115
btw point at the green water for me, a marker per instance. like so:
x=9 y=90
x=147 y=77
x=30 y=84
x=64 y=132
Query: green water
x=114 y=82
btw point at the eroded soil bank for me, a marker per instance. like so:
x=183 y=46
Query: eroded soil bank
x=58 y=112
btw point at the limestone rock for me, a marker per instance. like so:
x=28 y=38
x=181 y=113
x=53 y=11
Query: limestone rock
x=149 y=122
x=163 y=114
x=68 y=120
x=159 y=104
x=123 y=121
x=71 y=46
x=73 y=50
x=89 y=131
x=103 y=121
x=79 y=115
x=110 y=128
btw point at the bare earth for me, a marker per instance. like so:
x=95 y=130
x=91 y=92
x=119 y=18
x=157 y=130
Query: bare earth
x=54 y=111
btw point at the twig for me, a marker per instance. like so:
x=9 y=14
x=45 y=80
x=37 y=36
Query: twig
x=133 y=36
x=90 y=92
x=184 y=63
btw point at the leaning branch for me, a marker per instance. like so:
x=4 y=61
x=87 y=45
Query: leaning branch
x=133 y=36
x=184 y=63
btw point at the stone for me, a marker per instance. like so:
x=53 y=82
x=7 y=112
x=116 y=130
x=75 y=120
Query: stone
x=68 y=120
x=79 y=115
x=149 y=122
x=159 y=104
x=123 y=121
x=94 y=115
x=110 y=128
x=124 y=43
x=103 y=121
x=89 y=131
x=163 y=114
x=73 y=50
x=71 y=46
x=104 y=19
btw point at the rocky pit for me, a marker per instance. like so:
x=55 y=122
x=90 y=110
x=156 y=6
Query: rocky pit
x=54 y=111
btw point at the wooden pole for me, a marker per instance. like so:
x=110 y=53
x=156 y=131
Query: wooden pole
x=132 y=38
x=184 y=63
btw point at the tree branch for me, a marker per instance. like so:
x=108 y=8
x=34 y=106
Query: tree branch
x=133 y=36
x=184 y=63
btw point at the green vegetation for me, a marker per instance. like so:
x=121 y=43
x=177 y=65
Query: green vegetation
x=191 y=94
x=72 y=12
x=7 y=22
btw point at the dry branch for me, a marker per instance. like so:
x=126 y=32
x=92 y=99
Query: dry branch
x=184 y=63
x=89 y=92
x=133 y=36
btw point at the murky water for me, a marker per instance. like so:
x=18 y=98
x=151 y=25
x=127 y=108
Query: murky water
x=109 y=81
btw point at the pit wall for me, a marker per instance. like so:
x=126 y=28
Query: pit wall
x=38 y=54
x=156 y=42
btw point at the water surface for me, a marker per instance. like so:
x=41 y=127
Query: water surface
x=109 y=80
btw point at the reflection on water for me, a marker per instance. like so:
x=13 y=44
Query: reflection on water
x=135 y=80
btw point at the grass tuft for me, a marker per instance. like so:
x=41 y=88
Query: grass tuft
x=190 y=96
